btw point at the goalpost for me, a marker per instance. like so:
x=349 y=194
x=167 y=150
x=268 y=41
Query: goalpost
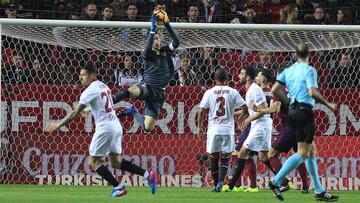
x=44 y=86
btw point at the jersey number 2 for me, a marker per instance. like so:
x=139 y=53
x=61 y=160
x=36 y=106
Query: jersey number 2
x=109 y=106
x=221 y=109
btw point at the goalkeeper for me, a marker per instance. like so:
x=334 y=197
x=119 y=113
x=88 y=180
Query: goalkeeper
x=158 y=71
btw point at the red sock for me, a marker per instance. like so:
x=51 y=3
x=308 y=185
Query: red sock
x=238 y=181
x=275 y=163
x=303 y=174
x=251 y=168
x=203 y=166
x=203 y=171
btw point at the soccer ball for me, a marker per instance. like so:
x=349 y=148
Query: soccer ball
x=162 y=17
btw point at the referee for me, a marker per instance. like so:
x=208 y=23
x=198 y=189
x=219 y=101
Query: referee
x=301 y=81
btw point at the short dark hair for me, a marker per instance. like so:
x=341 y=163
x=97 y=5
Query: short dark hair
x=108 y=6
x=267 y=74
x=302 y=50
x=251 y=72
x=193 y=5
x=159 y=2
x=89 y=67
x=221 y=75
x=131 y=3
x=249 y=7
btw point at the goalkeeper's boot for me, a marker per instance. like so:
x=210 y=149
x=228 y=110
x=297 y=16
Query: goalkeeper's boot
x=226 y=188
x=276 y=191
x=238 y=189
x=249 y=189
x=119 y=191
x=152 y=181
x=219 y=186
x=326 y=196
x=129 y=111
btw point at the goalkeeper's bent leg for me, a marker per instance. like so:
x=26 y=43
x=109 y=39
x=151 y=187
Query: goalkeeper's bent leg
x=119 y=96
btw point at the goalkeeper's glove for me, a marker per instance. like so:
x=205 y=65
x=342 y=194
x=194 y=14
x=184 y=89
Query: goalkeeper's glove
x=153 y=24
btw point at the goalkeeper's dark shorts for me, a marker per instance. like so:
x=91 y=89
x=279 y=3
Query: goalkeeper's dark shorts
x=154 y=98
x=301 y=122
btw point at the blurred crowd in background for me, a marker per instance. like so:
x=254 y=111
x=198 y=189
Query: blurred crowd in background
x=210 y=11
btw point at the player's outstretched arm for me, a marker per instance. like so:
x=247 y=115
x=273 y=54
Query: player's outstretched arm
x=276 y=89
x=242 y=111
x=68 y=118
x=314 y=92
x=253 y=117
x=312 y=87
x=175 y=40
x=200 y=122
x=150 y=39
x=274 y=108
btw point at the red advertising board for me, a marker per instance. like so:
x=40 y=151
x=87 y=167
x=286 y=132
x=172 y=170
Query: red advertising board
x=30 y=155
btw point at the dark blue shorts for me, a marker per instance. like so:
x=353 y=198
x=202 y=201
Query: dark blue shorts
x=285 y=140
x=241 y=139
x=154 y=98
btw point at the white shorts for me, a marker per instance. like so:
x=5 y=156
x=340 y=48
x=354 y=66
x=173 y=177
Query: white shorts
x=220 y=143
x=259 y=138
x=105 y=141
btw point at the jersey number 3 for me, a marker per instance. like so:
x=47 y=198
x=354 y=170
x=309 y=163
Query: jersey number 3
x=109 y=106
x=221 y=109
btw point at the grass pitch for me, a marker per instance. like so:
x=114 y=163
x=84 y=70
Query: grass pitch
x=92 y=194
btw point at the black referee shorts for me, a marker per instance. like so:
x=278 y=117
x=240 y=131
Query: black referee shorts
x=301 y=122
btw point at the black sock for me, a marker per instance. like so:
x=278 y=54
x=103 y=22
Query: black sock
x=224 y=166
x=104 y=172
x=238 y=170
x=214 y=166
x=132 y=168
x=117 y=97
x=267 y=163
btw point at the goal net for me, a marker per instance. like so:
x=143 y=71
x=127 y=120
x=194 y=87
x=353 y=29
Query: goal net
x=39 y=84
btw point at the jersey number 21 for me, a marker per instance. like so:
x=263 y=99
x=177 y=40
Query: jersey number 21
x=109 y=106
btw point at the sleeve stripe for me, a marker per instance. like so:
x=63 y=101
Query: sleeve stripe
x=171 y=46
x=280 y=82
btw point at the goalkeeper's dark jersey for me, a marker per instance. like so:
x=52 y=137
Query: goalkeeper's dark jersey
x=158 y=67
